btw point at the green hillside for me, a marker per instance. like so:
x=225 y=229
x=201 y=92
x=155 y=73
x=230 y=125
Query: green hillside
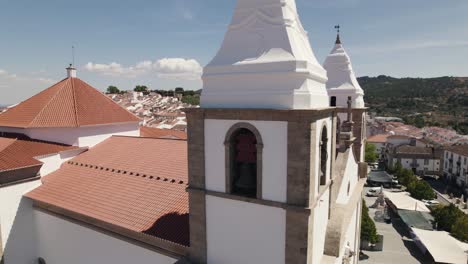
x=439 y=101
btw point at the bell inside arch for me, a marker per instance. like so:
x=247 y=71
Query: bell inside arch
x=247 y=180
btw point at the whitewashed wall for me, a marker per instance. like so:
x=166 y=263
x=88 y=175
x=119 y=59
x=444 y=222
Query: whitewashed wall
x=86 y=136
x=432 y=165
x=53 y=162
x=239 y=232
x=352 y=236
x=60 y=241
x=397 y=141
x=274 y=136
x=320 y=222
x=463 y=167
x=350 y=176
x=17 y=226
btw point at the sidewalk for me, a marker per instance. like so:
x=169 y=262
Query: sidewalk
x=444 y=198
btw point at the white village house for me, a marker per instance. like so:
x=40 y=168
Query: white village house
x=456 y=166
x=267 y=174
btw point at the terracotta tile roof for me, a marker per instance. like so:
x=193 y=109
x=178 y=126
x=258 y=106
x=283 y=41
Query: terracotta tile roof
x=381 y=138
x=406 y=149
x=17 y=153
x=69 y=103
x=135 y=183
x=459 y=149
x=153 y=132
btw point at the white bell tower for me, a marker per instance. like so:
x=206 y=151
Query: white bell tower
x=261 y=145
x=265 y=61
x=342 y=81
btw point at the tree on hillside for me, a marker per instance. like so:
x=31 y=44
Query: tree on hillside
x=191 y=99
x=112 y=90
x=371 y=153
x=419 y=121
x=141 y=88
x=179 y=90
x=368 y=229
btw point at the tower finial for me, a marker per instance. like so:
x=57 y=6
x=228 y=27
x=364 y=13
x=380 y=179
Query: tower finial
x=338 y=40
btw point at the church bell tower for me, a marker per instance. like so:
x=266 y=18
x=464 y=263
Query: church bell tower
x=260 y=147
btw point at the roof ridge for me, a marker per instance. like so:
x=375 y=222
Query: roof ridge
x=13 y=140
x=75 y=107
x=125 y=172
x=155 y=138
x=47 y=104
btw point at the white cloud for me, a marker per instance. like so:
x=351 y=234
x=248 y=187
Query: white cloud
x=46 y=80
x=7 y=75
x=174 y=68
x=167 y=68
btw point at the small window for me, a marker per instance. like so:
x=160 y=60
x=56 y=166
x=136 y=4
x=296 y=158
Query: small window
x=333 y=101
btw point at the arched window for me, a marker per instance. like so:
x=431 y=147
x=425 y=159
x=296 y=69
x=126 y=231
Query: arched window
x=323 y=156
x=244 y=152
x=333 y=101
x=338 y=131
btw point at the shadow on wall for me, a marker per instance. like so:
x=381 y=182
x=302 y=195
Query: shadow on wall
x=172 y=227
x=20 y=246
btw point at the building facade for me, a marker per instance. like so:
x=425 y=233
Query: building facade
x=456 y=166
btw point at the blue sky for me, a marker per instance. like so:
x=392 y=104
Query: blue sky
x=416 y=38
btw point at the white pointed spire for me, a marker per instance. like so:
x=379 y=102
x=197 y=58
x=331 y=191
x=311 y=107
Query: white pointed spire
x=342 y=81
x=265 y=61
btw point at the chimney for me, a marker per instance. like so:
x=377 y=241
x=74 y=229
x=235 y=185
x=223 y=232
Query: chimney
x=71 y=71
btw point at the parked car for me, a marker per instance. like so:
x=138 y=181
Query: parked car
x=430 y=202
x=374 y=192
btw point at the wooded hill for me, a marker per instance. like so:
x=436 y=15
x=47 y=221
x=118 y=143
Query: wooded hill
x=422 y=102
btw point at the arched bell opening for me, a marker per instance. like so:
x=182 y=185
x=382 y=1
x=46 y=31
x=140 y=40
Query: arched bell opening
x=244 y=161
x=333 y=101
x=323 y=156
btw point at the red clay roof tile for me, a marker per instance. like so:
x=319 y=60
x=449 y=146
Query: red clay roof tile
x=69 y=103
x=135 y=183
x=16 y=153
x=153 y=132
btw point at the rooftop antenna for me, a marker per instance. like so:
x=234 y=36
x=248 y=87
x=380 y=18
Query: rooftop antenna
x=338 y=40
x=71 y=70
x=73 y=55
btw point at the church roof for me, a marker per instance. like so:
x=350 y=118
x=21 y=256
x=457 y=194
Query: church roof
x=136 y=184
x=69 y=103
x=19 y=153
x=153 y=132
x=340 y=70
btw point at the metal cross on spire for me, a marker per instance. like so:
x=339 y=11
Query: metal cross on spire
x=338 y=40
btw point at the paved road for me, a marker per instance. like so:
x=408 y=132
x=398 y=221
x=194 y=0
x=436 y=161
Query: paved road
x=398 y=247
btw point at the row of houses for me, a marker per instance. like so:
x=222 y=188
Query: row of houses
x=423 y=157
